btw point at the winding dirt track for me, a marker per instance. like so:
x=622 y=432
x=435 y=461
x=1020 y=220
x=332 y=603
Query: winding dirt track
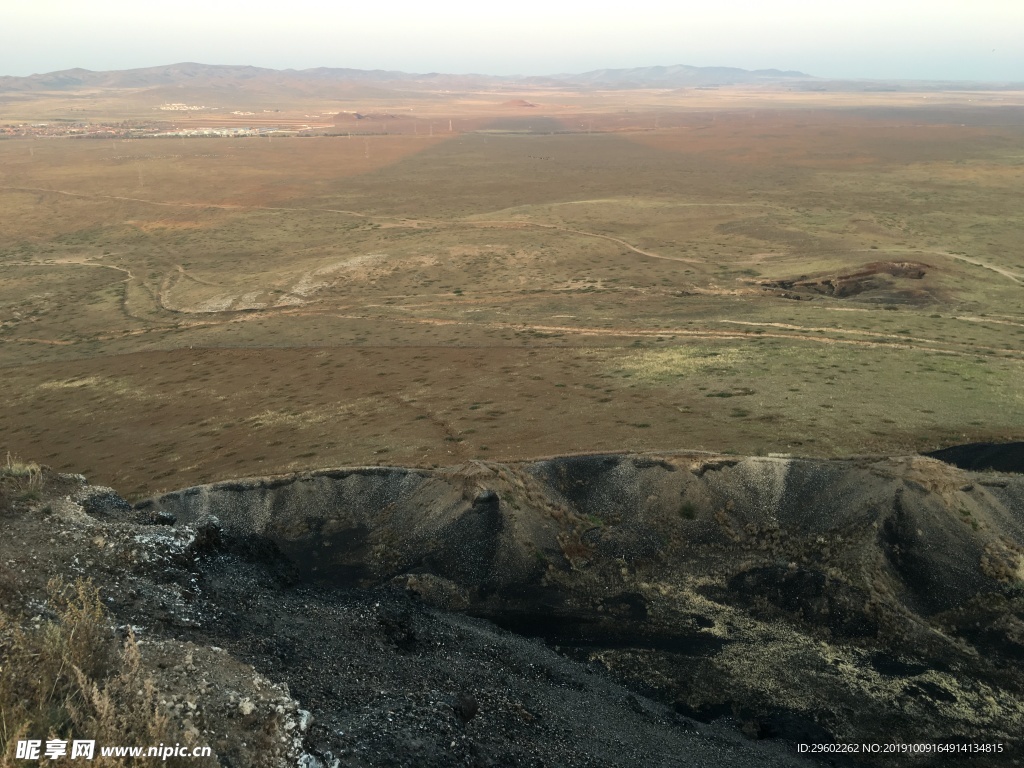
x=498 y=224
x=70 y=262
x=536 y=225
x=1019 y=279
x=76 y=263
x=486 y=224
x=799 y=332
x=1016 y=277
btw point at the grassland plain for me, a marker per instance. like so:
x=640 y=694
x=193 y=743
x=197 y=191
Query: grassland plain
x=815 y=281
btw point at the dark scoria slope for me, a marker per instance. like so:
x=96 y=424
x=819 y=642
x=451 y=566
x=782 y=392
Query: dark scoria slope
x=271 y=671
x=863 y=600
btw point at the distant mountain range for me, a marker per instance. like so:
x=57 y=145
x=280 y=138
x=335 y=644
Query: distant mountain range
x=330 y=81
x=217 y=75
x=677 y=76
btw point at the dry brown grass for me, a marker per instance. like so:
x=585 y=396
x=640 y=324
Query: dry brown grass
x=20 y=481
x=69 y=678
x=191 y=311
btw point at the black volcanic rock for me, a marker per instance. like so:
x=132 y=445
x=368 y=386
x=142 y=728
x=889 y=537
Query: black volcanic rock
x=608 y=610
x=858 y=600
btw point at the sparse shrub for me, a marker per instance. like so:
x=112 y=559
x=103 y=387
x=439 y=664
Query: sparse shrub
x=20 y=481
x=69 y=678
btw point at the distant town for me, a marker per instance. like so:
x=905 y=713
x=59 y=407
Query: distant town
x=214 y=123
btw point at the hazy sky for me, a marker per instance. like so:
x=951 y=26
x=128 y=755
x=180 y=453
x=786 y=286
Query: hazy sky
x=932 y=39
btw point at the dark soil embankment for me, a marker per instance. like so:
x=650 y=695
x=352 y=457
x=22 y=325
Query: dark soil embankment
x=879 y=281
x=1000 y=457
x=618 y=610
x=861 y=600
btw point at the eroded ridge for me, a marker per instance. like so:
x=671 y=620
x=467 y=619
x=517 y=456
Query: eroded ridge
x=760 y=588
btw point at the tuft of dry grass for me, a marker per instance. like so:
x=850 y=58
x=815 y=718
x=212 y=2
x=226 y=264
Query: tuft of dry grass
x=19 y=480
x=69 y=678
x=16 y=468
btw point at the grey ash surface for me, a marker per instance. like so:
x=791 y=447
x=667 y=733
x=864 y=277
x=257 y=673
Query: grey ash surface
x=392 y=682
